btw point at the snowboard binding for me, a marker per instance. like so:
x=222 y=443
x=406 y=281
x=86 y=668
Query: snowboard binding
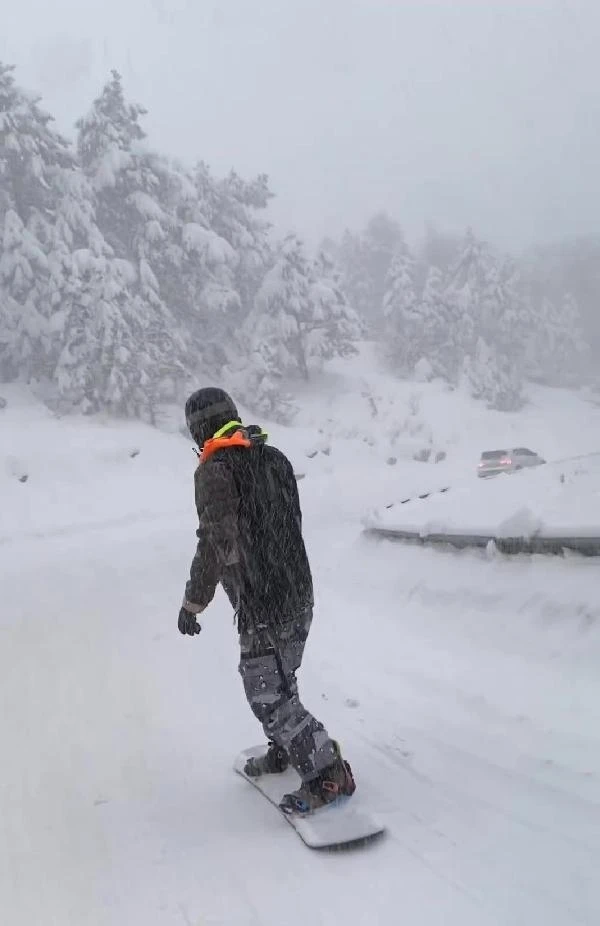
x=334 y=786
x=273 y=762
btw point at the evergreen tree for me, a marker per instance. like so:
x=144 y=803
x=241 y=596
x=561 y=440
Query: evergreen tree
x=237 y=217
x=335 y=325
x=29 y=150
x=571 y=348
x=570 y=266
x=127 y=179
x=282 y=316
x=46 y=212
x=484 y=335
x=300 y=319
x=128 y=182
x=403 y=328
x=356 y=276
x=382 y=241
x=23 y=324
x=559 y=347
x=112 y=358
x=439 y=249
x=437 y=327
x=493 y=378
x=365 y=260
x=210 y=237
x=466 y=284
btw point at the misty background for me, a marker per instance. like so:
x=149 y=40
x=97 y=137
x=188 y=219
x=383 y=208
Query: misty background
x=422 y=174
x=458 y=111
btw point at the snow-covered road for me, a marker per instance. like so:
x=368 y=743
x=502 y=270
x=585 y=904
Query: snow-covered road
x=465 y=692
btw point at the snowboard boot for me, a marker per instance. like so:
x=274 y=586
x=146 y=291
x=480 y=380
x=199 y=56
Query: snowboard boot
x=335 y=784
x=274 y=760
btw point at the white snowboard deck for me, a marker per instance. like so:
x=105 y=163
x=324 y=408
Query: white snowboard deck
x=338 y=826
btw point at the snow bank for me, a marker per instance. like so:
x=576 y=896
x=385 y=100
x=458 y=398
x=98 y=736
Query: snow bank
x=57 y=474
x=401 y=421
x=60 y=474
x=555 y=500
x=358 y=437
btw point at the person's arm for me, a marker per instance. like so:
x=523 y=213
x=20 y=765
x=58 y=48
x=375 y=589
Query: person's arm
x=217 y=506
x=295 y=495
x=290 y=486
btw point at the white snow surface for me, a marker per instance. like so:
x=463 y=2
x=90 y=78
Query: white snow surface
x=555 y=500
x=464 y=689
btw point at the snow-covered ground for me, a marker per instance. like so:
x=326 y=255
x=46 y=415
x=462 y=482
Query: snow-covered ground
x=555 y=500
x=465 y=690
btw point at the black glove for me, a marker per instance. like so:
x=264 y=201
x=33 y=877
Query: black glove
x=187 y=622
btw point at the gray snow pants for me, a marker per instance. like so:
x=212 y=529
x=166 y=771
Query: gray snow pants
x=268 y=664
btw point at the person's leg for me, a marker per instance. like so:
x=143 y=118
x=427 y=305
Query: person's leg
x=268 y=667
x=260 y=677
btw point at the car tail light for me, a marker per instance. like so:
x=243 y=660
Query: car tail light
x=505 y=461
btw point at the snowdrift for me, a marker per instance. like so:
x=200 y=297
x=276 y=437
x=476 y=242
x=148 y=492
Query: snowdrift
x=542 y=509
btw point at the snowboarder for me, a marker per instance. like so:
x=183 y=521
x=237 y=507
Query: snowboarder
x=250 y=540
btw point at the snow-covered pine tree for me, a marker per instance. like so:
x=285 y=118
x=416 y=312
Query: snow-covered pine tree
x=97 y=367
x=512 y=321
x=382 y=240
x=440 y=249
x=282 y=316
x=572 y=348
x=74 y=231
x=108 y=350
x=570 y=266
x=561 y=349
x=492 y=378
x=110 y=359
x=211 y=303
x=300 y=319
x=483 y=326
x=32 y=154
x=237 y=217
x=29 y=148
x=335 y=325
x=135 y=188
x=365 y=260
x=24 y=328
x=466 y=281
x=276 y=336
x=48 y=219
x=128 y=181
x=437 y=328
x=403 y=323
x=108 y=144
x=332 y=247
x=356 y=278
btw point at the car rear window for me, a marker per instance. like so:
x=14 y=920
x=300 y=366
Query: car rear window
x=493 y=454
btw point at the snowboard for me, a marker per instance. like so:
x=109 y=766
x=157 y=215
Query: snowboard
x=340 y=826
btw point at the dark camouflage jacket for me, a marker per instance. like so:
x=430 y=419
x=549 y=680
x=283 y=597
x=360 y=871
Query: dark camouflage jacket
x=250 y=531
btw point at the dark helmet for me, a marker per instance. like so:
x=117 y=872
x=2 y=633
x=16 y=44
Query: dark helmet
x=208 y=410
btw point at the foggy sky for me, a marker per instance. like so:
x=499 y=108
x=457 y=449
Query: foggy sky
x=484 y=112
